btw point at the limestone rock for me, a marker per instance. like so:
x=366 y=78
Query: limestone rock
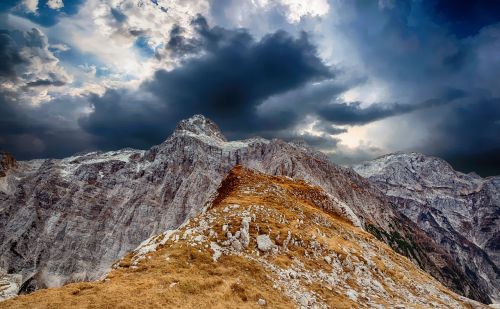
x=264 y=243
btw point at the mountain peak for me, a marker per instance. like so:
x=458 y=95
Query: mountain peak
x=411 y=161
x=200 y=125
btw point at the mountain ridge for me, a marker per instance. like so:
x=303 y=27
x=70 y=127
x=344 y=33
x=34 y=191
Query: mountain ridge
x=123 y=197
x=264 y=241
x=460 y=211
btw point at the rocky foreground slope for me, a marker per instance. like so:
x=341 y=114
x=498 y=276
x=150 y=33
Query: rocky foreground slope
x=264 y=242
x=68 y=220
x=461 y=212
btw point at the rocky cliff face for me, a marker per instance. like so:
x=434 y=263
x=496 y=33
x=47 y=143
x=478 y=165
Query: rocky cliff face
x=7 y=162
x=69 y=220
x=461 y=212
x=264 y=242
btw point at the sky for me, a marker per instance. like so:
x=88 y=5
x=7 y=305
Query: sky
x=354 y=79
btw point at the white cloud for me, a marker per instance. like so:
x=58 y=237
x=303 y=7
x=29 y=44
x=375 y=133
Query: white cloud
x=108 y=30
x=42 y=64
x=39 y=73
x=89 y=69
x=30 y=5
x=55 y=4
x=60 y=47
x=370 y=92
x=263 y=16
x=296 y=9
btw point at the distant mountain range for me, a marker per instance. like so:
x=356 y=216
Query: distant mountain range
x=69 y=220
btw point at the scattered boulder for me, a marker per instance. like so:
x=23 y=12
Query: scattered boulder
x=287 y=240
x=264 y=243
x=236 y=244
x=328 y=259
x=305 y=300
x=245 y=232
x=217 y=251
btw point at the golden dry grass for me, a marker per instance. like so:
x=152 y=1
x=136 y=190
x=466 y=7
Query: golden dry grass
x=189 y=279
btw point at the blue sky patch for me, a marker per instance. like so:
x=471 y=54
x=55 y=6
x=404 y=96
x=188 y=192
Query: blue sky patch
x=45 y=16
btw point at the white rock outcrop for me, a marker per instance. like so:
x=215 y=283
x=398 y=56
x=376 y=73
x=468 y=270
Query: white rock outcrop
x=9 y=284
x=264 y=243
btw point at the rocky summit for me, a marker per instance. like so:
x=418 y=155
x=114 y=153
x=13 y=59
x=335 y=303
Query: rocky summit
x=69 y=220
x=263 y=242
x=461 y=212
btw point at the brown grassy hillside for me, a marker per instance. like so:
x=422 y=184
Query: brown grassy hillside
x=266 y=242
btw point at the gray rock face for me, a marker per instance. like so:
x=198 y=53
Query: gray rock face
x=69 y=220
x=461 y=212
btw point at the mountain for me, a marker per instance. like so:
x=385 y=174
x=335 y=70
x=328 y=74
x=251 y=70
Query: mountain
x=461 y=212
x=68 y=220
x=264 y=242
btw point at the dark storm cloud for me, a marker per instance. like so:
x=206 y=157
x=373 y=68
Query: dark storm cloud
x=43 y=131
x=12 y=118
x=477 y=121
x=418 y=50
x=232 y=77
x=470 y=136
x=437 y=65
x=27 y=60
x=45 y=82
x=483 y=162
x=465 y=18
x=179 y=44
x=9 y=54
x=237 y=74
x=29 y=130
x=266 y=88
x=321 y=142
x=323 y=101
x=354 y=114
x=127 y=119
